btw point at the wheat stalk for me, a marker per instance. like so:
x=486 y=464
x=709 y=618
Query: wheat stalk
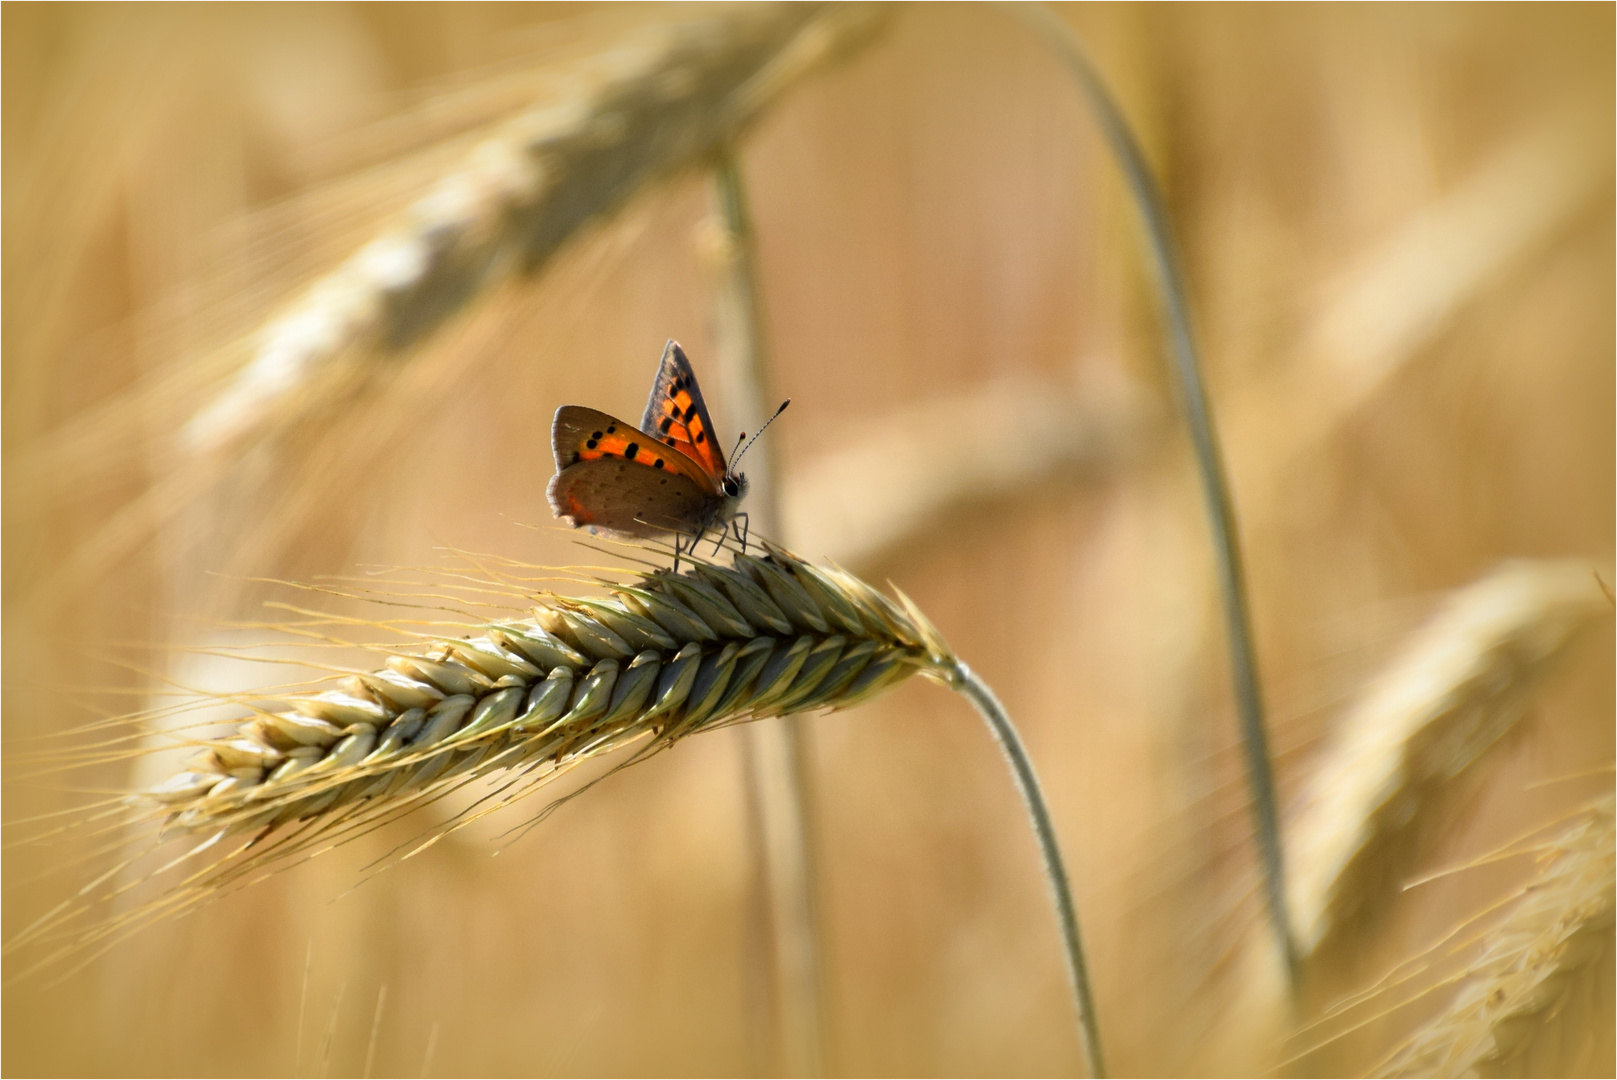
x=1538 y=1000
x=1385 y=786
x=1185 y=370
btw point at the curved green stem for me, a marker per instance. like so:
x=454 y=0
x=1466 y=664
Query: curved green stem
x=966 y=681
x=1209 y=459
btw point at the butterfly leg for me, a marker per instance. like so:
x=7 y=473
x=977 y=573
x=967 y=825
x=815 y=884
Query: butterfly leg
x=677 y=550
x=690 y=546
x=744 y=527
x=724 y=532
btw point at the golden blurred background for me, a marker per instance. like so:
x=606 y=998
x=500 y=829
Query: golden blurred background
x=1397 y=228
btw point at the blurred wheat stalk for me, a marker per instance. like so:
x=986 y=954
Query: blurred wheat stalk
x=1398 y=775
x=779 y=752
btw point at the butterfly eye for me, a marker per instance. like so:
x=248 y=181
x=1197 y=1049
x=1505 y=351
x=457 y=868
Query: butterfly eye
x=731 y=488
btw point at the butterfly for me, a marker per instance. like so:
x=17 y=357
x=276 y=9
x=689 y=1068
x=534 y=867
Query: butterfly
x=666 y=476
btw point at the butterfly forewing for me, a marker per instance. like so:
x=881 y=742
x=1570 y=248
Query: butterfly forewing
x=581 y=434
x=677 y=415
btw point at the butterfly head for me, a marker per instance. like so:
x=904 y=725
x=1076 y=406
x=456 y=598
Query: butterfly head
x=733 y=488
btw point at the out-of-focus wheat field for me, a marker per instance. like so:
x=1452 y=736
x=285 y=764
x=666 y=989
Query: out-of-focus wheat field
x=1397 y=230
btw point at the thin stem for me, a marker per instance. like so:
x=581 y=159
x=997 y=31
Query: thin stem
x=1027 y=781
x=778 y=753
x=1209 y=459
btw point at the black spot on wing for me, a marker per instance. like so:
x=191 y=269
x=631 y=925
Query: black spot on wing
x=631 y=451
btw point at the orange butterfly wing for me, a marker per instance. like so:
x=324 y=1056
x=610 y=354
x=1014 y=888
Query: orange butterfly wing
x=677 y=415
x=580 y=434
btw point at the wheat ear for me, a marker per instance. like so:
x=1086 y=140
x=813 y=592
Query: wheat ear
x=665 y=657
x=1538 y=1001
x=1391 y=776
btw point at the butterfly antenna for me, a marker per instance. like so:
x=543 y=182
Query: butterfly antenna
x=757 y=433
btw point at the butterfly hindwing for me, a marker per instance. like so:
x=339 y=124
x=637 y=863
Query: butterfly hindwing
x=677 y=415
x=628 y=498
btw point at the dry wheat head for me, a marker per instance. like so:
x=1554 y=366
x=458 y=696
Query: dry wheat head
x=1538 y=1001
x=1391 y=778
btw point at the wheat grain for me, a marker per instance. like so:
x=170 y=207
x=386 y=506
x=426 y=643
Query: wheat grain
x=1384 y=787
x=1538 y=1000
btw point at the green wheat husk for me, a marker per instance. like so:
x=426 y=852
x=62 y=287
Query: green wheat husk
x=660 y=659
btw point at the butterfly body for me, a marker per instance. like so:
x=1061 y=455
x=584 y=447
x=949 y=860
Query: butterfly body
x=667 y=476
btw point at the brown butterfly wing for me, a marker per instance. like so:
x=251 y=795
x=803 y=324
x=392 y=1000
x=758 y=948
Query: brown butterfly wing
x=676 y=413
x=629 y=498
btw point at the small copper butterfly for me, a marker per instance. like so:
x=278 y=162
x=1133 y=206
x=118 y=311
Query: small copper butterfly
x=666 y=476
